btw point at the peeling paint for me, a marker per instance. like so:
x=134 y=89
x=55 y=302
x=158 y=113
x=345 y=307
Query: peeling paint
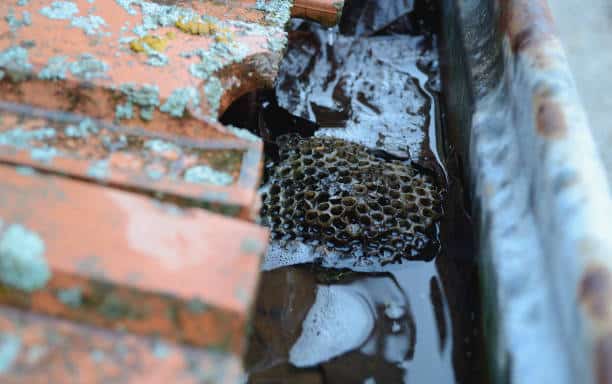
x=203 y=174
x=60 y=10
x=88 y=67
x=56 y=69
x=179 y=100
x=22 y=259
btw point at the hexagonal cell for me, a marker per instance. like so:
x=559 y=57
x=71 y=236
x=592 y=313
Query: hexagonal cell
x=350 y=199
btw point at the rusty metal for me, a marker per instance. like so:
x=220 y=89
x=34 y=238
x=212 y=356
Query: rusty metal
x=540 y=190
x=38 y=349
x=134 y=263
x=326 y=12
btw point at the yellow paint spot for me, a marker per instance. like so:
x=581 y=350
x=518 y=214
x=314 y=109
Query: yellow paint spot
x=156 y=43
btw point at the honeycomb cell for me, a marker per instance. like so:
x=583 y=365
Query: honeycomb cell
x=332 y=193
x=322 y=207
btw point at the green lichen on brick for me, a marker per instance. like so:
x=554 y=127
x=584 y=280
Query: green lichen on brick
x=249 y=245
x=15 y=22
x=243 y=133
x=276 y=37
x=60 y=10
x=277 y=43
x=154 y=173
x=277 y=12
x=196 y=305
x=124 y=111
x=44 y=154
x=203 y=174
x=216 y=57
x=179 y=100
x=161 y=146
x=156 y=15
x=72 y=297
x=85 y=128
x=98 y=170
x=213 y=91
x=90 y=24
x=56 y=69
x=22 y=259
x=160 y=349
x=16 y=63
x=145 y=97
x=10 y=347
x=21 y=138
x=114 y=308
x=156 y=59
x=88 y=67
x=25 y=171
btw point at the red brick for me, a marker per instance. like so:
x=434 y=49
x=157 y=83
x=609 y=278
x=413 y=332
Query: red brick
x=137 y=263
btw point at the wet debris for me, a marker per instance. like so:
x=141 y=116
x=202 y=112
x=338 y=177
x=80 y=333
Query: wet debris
x=340 y=196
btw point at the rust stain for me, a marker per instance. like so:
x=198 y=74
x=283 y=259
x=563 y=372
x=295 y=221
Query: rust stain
x=603 y=360
x=526 y=22
x=595 y=292
x=550 y=120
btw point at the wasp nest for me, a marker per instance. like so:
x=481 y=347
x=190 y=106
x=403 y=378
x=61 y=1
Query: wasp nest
x=340 y=195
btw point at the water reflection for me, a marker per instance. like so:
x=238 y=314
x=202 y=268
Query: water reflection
x=405 y=323
x=389 y=328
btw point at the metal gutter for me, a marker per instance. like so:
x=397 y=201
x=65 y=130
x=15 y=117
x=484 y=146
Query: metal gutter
x=541 y=201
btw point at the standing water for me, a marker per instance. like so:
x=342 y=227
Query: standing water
x=345 y=297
